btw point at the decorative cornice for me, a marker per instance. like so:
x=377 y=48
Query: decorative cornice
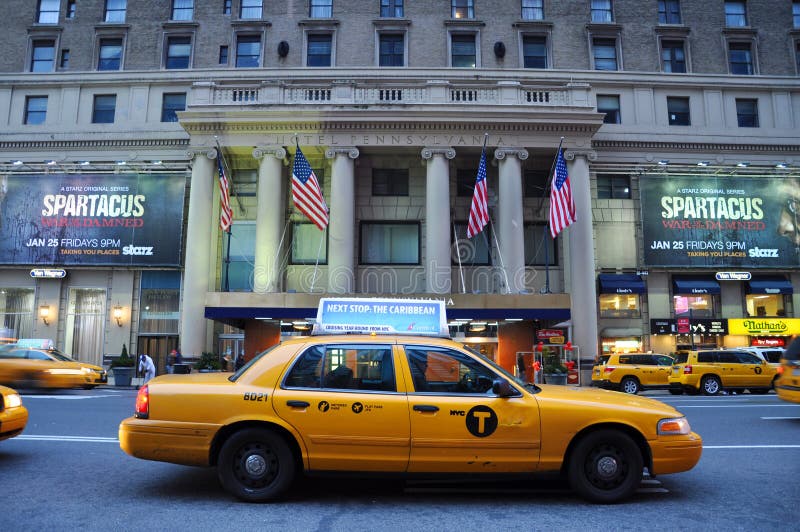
x=429 y=152
x=91 y=144
x=259 y=152
x=351 y=152
x=502 y=153
x=635 y=145
x=590 y=155
x=208 y=151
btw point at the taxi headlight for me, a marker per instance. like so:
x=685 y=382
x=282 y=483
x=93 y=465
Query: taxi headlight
x=12 y=400
x=675 y=425
x=87 y=370
x=60 y=371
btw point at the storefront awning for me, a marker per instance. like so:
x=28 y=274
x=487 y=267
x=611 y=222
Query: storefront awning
x=770 y=285
x=626 y=283
x=694 y=285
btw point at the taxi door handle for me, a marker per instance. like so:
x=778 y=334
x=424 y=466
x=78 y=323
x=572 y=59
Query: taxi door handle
x=426 y=408
x=298 y=404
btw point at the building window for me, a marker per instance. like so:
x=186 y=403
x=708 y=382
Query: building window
x=182 y=9
x=223 y=55
x=392 y=50
x=71 y=8
x=43 y=56
x=110 y=56
x=171 y=104
x=796 y=13
x=463 y=53
x=84 y=327
x=605 y=53
x=308 y=246
x=320 y=48
x=535 y=183
x=678 y=111
x=673 y=57
x=619 y=305
x=48 y=11
x=797 y=55
x=237 y=274
x=534 y=51
x=64 y=61
x=462 y=8
x=389 y=243
x=532 y=10
x=540 y=247
x=613 y=186
x=226 y=7
x=392 y=8
x=473 y=251
x=103 y=108
x=669 y=11
x=248 y=51
x=740 y=58
x=735 y=13
x=465 y=182
x=179 y=52
x=609 y=104
x=35 y=110
x=601 y=11
x=389 y=182
x=320 y=9
x=762 y=305
x=115 y=10
x=251 y=9
x=694 y=306
x=747 y=112
x=160 y=302
x=16 y=313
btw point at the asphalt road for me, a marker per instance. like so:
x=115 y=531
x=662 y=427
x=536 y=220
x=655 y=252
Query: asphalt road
x=67 y=472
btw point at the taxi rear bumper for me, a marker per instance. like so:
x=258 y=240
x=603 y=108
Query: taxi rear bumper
x=676 y=454
x=165 y=441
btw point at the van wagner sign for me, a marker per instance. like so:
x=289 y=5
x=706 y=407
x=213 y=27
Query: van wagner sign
x=94 y=220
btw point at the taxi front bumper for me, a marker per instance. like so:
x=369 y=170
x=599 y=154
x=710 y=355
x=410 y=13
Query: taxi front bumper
x=12 y=422
x=166 y=441
x=676 y=454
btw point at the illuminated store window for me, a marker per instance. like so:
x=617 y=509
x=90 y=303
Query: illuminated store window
x=693 y=306
x=86 y=318
x=16 y=313
x=619 y=305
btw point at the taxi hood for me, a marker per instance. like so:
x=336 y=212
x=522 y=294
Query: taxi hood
x=597 y=397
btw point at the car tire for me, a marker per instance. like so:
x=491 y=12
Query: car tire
x=711 y=385
x=606 y=466
x=256 y=465
x=675 y=392
x=630 y=385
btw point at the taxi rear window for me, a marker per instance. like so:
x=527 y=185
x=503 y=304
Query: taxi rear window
x=681 y=358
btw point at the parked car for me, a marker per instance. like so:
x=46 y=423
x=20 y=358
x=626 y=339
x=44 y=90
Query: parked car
x=633 y=372
x=38 y=368
x=715 y=370
x=787 y=385
x=772 y=355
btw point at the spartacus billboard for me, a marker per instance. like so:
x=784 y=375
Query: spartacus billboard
x=91 y=220
x=721 y=222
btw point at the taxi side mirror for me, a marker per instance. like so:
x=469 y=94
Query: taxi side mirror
x=502 y=388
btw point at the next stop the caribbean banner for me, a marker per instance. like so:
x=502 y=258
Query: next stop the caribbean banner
x=722 y=221
x=94 y=220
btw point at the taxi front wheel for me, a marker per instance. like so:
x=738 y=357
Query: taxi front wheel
x=606 y=466
x=256 y=465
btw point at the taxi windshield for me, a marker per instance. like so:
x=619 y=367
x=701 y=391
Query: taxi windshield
x=499 y=369
x=240 y=371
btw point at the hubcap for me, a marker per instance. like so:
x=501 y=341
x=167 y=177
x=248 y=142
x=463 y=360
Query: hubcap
x=255 y=465
x=607 y=467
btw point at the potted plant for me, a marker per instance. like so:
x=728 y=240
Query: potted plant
x=208 y=362
x=554 y=371
x=122 y=366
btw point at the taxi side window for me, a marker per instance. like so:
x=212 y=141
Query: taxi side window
x=344 y=367
x=747 y=358
x=728 y=357
x=664 y=360
x=306 y=371
x=441 y=370
x=706 y=356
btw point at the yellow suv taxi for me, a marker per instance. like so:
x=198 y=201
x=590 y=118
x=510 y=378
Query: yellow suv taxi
x=381 y=388
x=787 y=385
x=712 y=371
x=633 y=372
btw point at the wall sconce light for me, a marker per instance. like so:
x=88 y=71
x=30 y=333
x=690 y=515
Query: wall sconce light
x=118 y=315
x=283 y=49
x=499 y=50
x=44 y=313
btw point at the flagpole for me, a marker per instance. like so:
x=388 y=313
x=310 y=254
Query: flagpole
x=228 y=168
x=547 y=225
x=458 y=254
x=226 y=283
x=316 y=264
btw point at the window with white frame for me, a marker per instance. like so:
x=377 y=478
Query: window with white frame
x=462 y=9
x=602 y=11
x=226 y=7
x=16 y=313
x=248 y=51
x=669 y=11
x=182 y=9
x=392 y=8
x=391 y=49
x=532 y=10
x=747 y=112
x=179 y=52
x=251 y=9
x=85 y=324
x=309 y=244
x=319 y=52
x=35 y=110
x=604 y=53
x=740 y=58
x=735 y=13
x=72 y=8
x=673 y=56
x=115 y=10
x=109 y=56
x=534 y=51
x=320 y=8
x=48 y=10
x=390 y=243
x=104 y=108
x=171 y=103
x=678 y=111
x=463 y=50
x=43 y=55
x=609 y=104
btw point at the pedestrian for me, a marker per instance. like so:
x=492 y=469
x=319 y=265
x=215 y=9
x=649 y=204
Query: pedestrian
x=171 y=361
x=178 y=356
x=146 y=367
x=239 y=362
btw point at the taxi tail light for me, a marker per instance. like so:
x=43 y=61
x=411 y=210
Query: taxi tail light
x=143 y=402
x=780 y=370
x=609 y=369
x=687 y=369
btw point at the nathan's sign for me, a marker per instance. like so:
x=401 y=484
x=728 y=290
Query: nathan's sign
x=722 y=221
x=96 y=220
x=765 y=326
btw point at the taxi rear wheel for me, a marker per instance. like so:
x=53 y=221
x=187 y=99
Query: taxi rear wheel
x=711 y=385
x=606 y=466
x=256 y=465
x=630 y=385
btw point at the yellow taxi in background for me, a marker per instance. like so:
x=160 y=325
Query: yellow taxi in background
x=13 y=415
x=38 y=368
x=632 y=372
x=381 y=388
x=787 y=385
x=714 y=370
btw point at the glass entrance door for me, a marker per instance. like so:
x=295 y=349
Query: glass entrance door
x=158 y=347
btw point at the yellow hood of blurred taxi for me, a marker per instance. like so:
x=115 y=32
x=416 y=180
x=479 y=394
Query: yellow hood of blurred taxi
x=596 y=397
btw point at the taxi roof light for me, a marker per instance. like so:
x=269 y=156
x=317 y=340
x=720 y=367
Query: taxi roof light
x=374 y=316
x=143 y=402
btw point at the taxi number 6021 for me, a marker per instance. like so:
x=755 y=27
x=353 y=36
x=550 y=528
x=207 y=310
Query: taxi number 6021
x=253 y=396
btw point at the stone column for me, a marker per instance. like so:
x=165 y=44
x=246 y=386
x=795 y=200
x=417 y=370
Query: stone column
x=341 y=228
x=583 y=293
x=197 y=267
x=270 y=218
x=437 y=220
x=510 y=226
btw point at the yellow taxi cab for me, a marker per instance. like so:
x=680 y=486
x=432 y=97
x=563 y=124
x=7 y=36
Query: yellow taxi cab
x=38 y=368
x=787 y=385
x=381 y=388
x=633 y=372
x=13 y=415
x=716 y=370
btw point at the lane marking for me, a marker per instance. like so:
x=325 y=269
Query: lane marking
x=751 y=447
x=779 y=417
x=84 y=439
x=68 y=397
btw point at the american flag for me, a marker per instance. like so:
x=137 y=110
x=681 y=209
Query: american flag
x=562 y=207
x=225 y=212
x=306 y=192
x=479 y=211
